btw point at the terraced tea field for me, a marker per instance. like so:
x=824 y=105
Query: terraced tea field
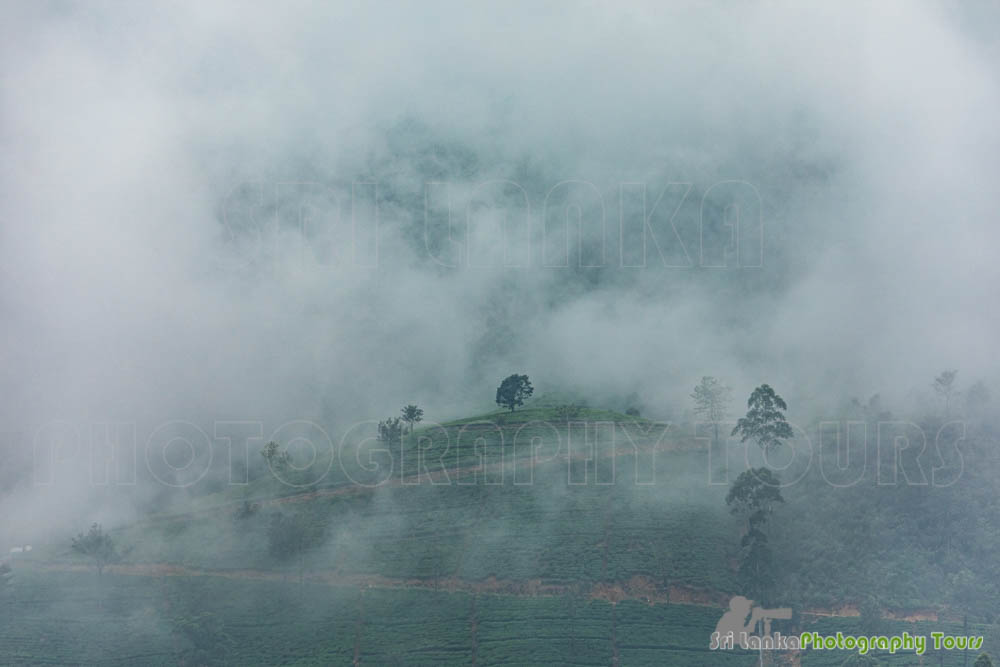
x=62 y=618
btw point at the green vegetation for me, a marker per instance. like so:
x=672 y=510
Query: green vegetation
x=411 y=415
x=276 y=458
x=97 y=546
x=764 y=422
x=216 y=620
x=509 y=536
x=513 y=390
x=755 y=492
x=753 y=496
x=391 y=430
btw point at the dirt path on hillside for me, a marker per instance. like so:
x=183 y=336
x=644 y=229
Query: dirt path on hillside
x=638 y=588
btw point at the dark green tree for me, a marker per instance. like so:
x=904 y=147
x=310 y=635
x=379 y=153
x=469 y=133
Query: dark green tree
x=756 y=572
x=513 y=390
x=391 y=430
x=765 y=420
x=411 y=415
x=753 y=495
x=98 y=547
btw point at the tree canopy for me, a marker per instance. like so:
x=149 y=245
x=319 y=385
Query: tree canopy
x=391 y=430
x=765 y=420
x=513 y=390
x=98 y=546
x=411 y=415
x=754 y=494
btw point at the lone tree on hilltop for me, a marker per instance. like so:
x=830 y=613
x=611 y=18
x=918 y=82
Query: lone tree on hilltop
x=765 y=420
x=411 y=415
x=513 y=390
x=98 y=546
x=711 y=402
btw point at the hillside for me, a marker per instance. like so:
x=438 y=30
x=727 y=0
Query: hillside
x=612 y=543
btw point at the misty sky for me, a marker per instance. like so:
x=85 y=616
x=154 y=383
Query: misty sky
x=154 y=262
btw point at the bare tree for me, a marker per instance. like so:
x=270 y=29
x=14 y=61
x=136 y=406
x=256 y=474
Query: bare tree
x=944 y=386
x=711 y=402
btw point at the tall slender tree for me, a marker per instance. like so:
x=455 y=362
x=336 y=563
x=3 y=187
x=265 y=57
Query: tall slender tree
x=944 y=386
x=711 y=402
x=753 y=495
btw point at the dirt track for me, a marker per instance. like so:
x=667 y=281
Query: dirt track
x=637 y=588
